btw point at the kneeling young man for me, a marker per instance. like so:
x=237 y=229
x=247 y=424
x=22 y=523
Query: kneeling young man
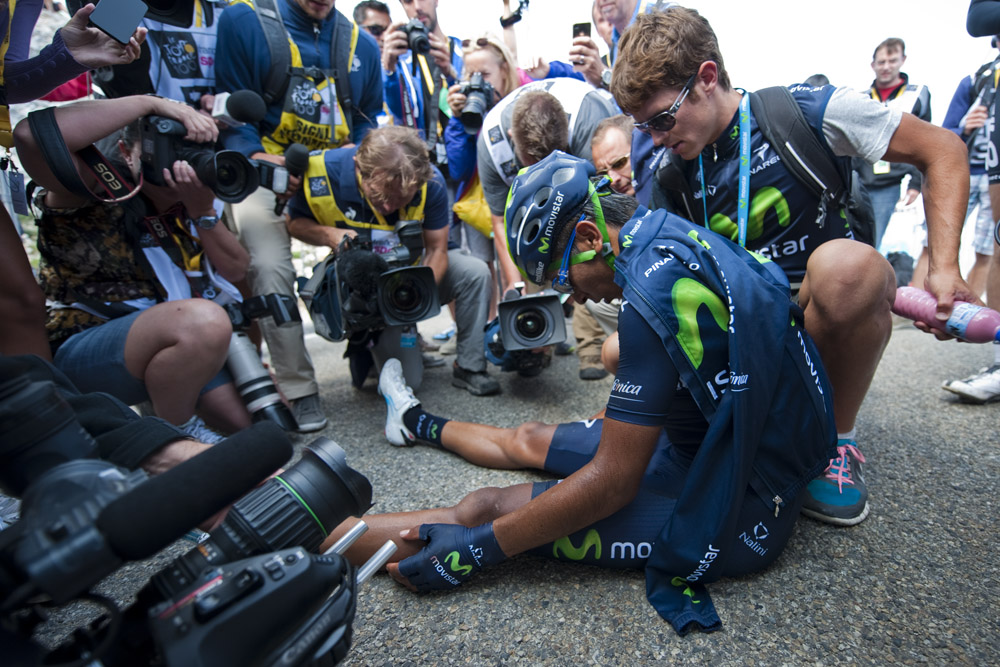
x=719 y=416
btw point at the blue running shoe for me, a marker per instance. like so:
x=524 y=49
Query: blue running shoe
x=839 y=496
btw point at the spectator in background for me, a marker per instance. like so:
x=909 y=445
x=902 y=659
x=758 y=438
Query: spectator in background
x=308 y=109
x=892 y=88
x=373 y=17
x=75 y=48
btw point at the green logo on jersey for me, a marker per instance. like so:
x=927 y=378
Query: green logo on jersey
x=434 y=431
x=564 y=547
x=687 y=296
x=681 y=581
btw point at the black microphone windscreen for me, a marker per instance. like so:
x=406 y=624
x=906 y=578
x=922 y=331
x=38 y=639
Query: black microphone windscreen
x=246 y=106
x=296 y=159
x=158 y=511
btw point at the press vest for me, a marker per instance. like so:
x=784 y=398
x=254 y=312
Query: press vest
x=6 y=135
x=182 y=60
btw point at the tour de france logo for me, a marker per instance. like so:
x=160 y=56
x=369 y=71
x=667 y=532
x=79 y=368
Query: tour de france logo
x=180 y=53
x=306 y=100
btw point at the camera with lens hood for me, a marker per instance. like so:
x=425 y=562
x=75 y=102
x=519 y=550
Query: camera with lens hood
x=252 y=381
x=525 y=323
x=252 y=593
x=478 y=101
x=358 y=290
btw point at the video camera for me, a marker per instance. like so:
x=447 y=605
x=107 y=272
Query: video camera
x=359 y=290
x=478 y=101
x=251 y=594
x=253 y=382
x=524 y=323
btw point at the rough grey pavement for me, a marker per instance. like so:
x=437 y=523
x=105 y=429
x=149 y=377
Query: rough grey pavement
x=916 y=583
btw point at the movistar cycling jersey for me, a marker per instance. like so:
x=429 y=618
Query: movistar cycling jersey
x=783 y=222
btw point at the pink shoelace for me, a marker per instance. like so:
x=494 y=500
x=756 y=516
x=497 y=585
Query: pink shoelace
x=839 y=469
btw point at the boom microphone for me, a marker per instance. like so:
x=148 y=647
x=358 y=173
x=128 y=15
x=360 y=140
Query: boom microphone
x=142 y=522
x=296 y=162
x=235 y=109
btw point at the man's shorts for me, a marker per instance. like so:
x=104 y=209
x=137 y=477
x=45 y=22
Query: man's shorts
x=625 y=539
x=94 y=360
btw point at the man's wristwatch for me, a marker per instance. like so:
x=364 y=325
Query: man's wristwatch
x=207 y=221
x=606 y=79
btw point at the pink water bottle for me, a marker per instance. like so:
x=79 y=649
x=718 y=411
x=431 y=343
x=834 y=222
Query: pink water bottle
x=976 y=324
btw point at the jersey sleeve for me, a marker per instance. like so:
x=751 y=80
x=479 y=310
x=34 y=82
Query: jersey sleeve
x=647 y=379
x=494 y=187
x=436 y=211
x=855 y=125
x=366 y=85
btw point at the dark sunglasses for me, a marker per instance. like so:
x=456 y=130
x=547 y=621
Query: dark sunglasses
x=666 y=119
x=616 y=165
x=374 y=29
x=482 y=43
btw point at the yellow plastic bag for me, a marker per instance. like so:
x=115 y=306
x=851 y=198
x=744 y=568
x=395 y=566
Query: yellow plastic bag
x=471 y=208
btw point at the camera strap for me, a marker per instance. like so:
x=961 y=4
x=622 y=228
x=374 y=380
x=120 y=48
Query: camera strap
x=49 y=139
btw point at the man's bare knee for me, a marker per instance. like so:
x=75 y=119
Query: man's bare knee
x=202 y=323
x=528 y=440
x=482 y=505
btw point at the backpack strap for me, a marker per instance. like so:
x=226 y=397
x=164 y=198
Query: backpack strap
x=277 y=44
x=783 y=124
x=342 y=47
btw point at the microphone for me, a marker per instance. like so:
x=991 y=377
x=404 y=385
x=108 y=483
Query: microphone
x=140 y=523
x=296 y=162
x=235 y=109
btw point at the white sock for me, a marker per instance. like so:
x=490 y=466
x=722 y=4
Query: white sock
x=850 y=435
x=996 y=352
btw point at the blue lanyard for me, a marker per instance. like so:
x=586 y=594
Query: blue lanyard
x=743 y=204
x=743 y=207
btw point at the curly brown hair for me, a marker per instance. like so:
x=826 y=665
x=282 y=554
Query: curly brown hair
x=662 y=50
x=393 y=159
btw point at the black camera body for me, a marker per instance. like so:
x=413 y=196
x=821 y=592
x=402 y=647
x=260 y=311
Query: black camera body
x=230 y=174
x=358 y=290
x=478 y=101
x=253 y=382
x=418 y=39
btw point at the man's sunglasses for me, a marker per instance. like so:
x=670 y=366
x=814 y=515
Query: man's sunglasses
x=666 y=119
x=617 y=165
x=375 y=29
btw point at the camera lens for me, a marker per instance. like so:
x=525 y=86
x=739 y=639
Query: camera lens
x=530 y=324
x=405 y=295
x=298 y=507
x=474 y=112
x=232 y=177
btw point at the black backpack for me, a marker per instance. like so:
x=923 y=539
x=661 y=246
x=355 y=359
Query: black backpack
x=281 y=56
x=783 y=124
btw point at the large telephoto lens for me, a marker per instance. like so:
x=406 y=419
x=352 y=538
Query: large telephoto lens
x=474 y=111
x=298 y=507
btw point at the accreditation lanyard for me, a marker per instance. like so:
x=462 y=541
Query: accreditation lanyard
x=743 y=203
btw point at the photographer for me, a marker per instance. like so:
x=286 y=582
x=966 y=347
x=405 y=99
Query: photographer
x=490 y=58
x=418 y=62
x=106 y=278
x=367 y=190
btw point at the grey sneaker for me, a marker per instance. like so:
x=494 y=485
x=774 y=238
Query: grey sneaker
x=200 y=431
x=398 y=399
x=308 y=414
x=981 y=387
x=477 y=383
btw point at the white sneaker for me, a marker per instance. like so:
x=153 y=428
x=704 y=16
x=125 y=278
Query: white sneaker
x=982 y=387
x=398 y=399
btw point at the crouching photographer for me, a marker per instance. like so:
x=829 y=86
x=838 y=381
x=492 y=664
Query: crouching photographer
x=373 y=194
x=119 y=269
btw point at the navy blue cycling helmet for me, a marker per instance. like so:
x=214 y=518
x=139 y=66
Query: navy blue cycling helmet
x=543 y=198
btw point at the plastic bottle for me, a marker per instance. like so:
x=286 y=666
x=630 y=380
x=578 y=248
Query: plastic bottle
x=975 y=324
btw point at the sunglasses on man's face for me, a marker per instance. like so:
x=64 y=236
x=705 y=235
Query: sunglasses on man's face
x=617 y=165
x=666 y=119
x=374 y=29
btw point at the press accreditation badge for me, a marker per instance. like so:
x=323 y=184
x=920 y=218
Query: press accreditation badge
x=880 y=167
